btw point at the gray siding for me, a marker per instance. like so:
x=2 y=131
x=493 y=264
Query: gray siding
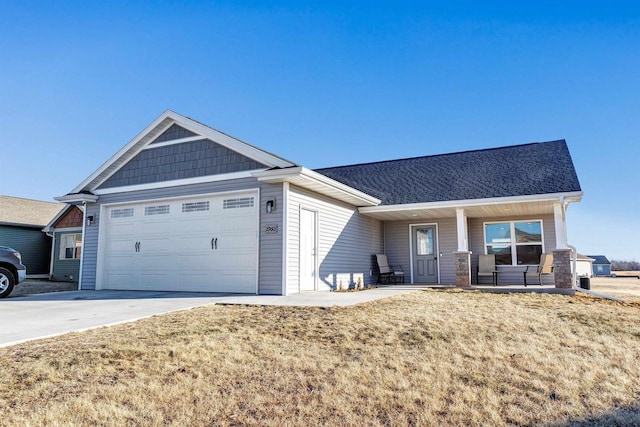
x=64 y=269
x=174 y=132
x=346 y=241
x=509 y=274
x=180 y=161
x=396 y=242
x=270 y=246
x=33 y=245
x=270 y=270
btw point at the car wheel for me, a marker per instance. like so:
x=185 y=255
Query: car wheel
x=7 y=280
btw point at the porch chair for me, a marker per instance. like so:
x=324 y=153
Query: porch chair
x=388 y=271
x=487 y=267
x=545 y=268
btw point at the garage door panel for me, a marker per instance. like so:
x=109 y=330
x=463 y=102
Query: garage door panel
x=176 y=252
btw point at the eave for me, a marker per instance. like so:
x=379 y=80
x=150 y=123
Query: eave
x=77 y=198
x=313 y=181
x=514 y=206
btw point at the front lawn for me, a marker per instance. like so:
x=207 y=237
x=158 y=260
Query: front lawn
x=426 y=358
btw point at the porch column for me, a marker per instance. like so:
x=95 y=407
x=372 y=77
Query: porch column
x=562 y=254
x=562 y=274
x=560 y=225
x=462 y=256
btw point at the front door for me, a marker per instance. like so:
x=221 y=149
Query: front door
x=425 y=254
x=307 y=250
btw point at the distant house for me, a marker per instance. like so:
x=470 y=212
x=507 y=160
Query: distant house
x=601 y=265
x=584 y=267
x=21 y=222
x=66 y=232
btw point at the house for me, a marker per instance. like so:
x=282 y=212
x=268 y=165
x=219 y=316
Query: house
x=65 y=230
x=584 y=266
x=185 y=207
x=21 y=222
x=601 y=265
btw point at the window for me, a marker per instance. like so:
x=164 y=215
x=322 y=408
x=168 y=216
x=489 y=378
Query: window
x=156 y=210
x=121 y=213
x=243 y=202
x=195 y=206
x=70 y=246
x=514 y=242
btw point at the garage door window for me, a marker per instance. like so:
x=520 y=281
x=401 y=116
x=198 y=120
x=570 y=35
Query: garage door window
x=156 y=210
x=122 y=213
x=195 y=207
x=242 y=202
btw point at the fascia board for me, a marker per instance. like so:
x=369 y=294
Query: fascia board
x=122 y=151
x=75 y=198
x=575 y=196
x=287 y=175
x=232 y=143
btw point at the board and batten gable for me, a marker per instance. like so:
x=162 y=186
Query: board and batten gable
x=346 y=242
x=397 y=245
x=270 y=246
x=507 y=273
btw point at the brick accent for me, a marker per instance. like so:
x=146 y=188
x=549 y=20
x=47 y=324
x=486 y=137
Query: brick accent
x=463 y=268
x=562 y=268
x=73 y=218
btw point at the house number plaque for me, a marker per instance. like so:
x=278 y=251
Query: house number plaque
x=271 y=229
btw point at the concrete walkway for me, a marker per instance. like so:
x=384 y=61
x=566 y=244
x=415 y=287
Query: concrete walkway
x=45 y=315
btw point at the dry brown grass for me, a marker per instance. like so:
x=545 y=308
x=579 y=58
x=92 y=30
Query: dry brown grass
x=426 y=358
x=627 y=288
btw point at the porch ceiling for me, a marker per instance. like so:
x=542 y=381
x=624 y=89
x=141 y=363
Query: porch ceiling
x=495 y=210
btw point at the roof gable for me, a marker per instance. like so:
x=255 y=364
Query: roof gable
x=530 y=169
x=27 y=212
x=599 y=259
x=167 y=129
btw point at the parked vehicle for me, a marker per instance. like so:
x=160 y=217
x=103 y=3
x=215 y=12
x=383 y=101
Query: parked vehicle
x=12 y=271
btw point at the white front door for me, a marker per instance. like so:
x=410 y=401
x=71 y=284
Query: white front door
x=199 y=244
x=307 y=250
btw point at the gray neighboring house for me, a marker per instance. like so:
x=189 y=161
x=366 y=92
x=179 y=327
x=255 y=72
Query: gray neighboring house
x=21 y=222
x=65 y=229
x=183 y=206
x=601 y=265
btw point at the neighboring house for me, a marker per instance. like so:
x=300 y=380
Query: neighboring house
x=601 y=265
x=21 y=222
x=584 y=267
x=185 y=207
x=66 y=231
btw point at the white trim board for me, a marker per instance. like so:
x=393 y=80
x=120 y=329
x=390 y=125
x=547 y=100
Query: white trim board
x=177 y=182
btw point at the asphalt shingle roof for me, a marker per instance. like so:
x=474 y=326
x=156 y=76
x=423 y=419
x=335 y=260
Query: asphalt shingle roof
x=599 y=259
x=536 y=168
x=18 y=211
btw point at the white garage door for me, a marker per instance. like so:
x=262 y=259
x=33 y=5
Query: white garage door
x=203 y=244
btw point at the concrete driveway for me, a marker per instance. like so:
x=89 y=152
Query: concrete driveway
x=45 y=315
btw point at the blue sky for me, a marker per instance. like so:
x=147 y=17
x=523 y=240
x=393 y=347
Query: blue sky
x=331 y=83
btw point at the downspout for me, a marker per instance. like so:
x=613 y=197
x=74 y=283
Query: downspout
x=565 y=204
x=53 y=251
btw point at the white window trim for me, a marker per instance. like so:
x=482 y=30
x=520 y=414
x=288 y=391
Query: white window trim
x=61 y=255
x=514 y=244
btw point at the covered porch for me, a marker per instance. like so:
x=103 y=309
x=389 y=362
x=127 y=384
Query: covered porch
x=439 y=243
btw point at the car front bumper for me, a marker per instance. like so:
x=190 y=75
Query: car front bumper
x=22 y=275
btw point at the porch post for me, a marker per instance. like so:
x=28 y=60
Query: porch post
x=562 y=254
x=462 y=256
